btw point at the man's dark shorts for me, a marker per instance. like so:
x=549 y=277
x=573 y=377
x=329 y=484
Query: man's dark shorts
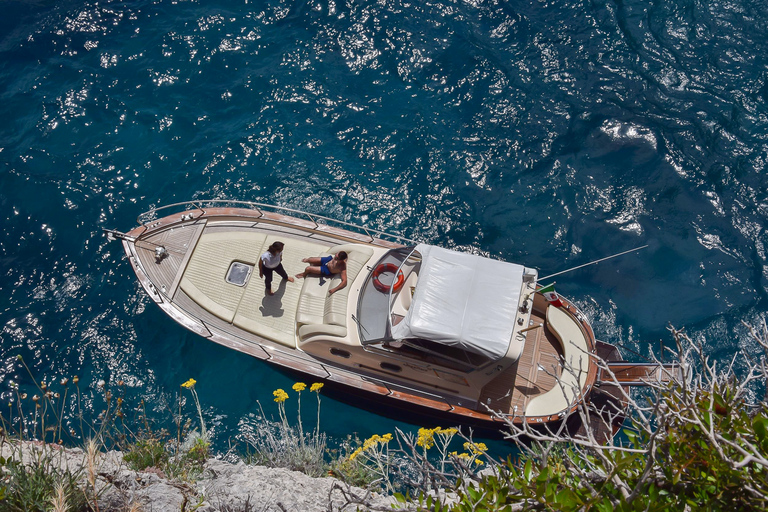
x=324 y=265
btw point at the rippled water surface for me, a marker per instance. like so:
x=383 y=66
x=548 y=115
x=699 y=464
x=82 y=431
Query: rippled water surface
x=547 y=133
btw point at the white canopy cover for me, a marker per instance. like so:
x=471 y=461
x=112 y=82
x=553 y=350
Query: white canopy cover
x=465 y=301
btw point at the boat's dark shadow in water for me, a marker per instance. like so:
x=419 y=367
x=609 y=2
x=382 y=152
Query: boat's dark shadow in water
x=390 y=409
x=413 y=415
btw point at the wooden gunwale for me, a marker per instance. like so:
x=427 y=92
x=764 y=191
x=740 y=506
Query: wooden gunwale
x=220 y=214
x=267 y=350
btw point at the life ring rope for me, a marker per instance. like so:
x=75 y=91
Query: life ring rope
x=390 y=268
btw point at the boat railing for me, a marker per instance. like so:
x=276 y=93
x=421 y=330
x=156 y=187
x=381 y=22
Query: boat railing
x=317 y=220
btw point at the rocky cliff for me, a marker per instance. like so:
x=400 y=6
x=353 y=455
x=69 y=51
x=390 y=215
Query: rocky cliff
x=222 y=486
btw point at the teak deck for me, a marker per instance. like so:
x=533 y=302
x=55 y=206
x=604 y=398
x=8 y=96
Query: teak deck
x=535 y=373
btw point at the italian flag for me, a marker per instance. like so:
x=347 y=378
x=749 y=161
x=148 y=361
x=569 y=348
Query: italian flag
x=551 y=295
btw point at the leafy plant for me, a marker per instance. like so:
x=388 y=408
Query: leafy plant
x=196 y=450
x=697 y=443
x=31 y=478
x=197 y=446
x=279 y=444
x=146 y=453
x=349 y=469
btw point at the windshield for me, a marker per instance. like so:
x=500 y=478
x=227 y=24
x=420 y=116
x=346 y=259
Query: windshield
x=383 y=287
x=386 y=300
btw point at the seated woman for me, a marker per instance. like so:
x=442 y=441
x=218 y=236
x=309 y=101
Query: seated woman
x=327 y=266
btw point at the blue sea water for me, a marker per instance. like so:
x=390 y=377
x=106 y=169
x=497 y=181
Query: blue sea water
x=550 y=133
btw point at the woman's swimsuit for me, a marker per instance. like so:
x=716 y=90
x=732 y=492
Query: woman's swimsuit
x=324 y=265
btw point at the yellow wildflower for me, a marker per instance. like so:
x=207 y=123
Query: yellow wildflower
x=371 y=442
x=280 y=395
x=299 y=387
x=189 y=384
x=426 y=437
x=476 y=448
x=478 y=462
x=355 y=453
x=316 y=386
x=447 y=431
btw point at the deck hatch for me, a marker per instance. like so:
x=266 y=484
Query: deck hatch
x=239 y=273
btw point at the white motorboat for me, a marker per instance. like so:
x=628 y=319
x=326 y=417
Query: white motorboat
x=462 y=337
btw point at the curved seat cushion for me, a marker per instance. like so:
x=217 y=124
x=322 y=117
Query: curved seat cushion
x=575 y=348
x=576 y=365
x=307 y=331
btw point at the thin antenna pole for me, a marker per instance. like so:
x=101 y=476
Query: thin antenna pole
x=592 y=263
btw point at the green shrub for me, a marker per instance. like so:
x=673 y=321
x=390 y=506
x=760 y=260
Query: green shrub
x=279 y=444
x=196 y=450
x=146 y=453
x=30 y=485
x=698 y=443
x=351 y=470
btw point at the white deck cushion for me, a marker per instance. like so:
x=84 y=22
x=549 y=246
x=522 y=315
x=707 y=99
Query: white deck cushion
x=316 y=306
x=307 y=331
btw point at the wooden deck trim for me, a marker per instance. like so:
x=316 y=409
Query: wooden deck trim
x=183 y=265
x=263 y=216
x=510 y=392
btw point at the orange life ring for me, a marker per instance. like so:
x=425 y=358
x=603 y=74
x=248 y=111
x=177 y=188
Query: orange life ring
x=391 y=268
